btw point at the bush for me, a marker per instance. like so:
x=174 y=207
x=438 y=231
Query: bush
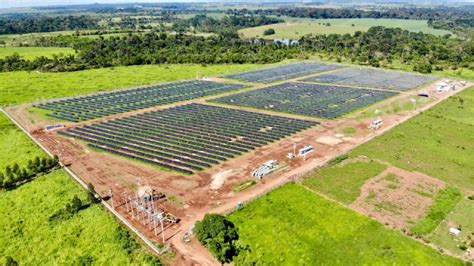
x=269 y=31
x=219 y=235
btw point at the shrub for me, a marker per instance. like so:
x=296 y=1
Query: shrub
x=219 y=235
x=269 y=31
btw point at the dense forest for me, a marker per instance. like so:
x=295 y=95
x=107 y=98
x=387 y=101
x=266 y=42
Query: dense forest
x=226 y=25
x=32 y=23
x=378 y=46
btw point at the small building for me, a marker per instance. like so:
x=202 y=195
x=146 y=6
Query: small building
x=265 y=169
x=454 y=231
x=305 y=150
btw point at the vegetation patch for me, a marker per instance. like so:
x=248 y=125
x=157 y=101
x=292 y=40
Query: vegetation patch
x=444 y=203
x=15 y=146
x=88 y=236
x=293 y=226
x=243 y=185
x=343 y=183
x=219 y=235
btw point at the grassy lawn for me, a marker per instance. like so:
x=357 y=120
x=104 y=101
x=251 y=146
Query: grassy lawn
x=30 y=53
x=294 y=28
x=15 y=145
x=22 y=86
x=443 y=204
x=91 y=235
x=438 y=142
x=343 y=182
x=293 y=226
x=462 y=216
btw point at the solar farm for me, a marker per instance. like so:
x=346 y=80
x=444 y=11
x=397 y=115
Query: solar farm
x=372 y=78
x=187 y=138
x=284 y=72
x=314 y=100
x=105 y=104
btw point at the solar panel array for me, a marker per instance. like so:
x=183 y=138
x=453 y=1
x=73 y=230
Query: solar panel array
x=373 y=78
x=187 y=138
x=307 y=99
x=283 y=72
x=104 y=104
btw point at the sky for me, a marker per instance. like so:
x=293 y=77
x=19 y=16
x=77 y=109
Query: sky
x=28 y=3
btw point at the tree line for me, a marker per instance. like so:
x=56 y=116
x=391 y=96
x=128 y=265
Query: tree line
x=14 y=175
x=225 y=25
x=18 y=24
x=378 y=46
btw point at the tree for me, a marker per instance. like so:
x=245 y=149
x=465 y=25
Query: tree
x=219 y=235
x=269 y=31
x=92 y=194
x=9 y=261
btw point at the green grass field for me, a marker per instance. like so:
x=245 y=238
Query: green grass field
x=443 y=204
x=30 y=239
x=439 y=142
x=16 y=147
x=293 y=226
x=30 y=53
x=343 y=182
x=22 y=86
x=462 y=216
x=294 y=28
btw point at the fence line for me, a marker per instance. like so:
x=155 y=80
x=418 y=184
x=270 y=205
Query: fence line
x=84 y=185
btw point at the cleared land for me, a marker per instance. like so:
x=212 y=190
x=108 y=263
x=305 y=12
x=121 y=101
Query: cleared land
x=98 y=105
x=314 y=100
x=22 y=86
x=283 y=72
x=295 y=28
x=438 y=142
x=373 y=78
x=90 y=236
x=212 y=135
x=30 y=53
x=293 y=226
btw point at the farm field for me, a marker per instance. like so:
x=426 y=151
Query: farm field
x=213 y=134
x=314 y=100
x=94 y=106
x=21 y=86
x=90 y=236
x=16 y=147
x=30 y=53
x=292 y=225
x=295 y=28
x=438 y=142
x=334 y=182
x=373 y=78
x=461 y=217
x=283 y=72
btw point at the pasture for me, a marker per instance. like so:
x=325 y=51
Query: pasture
x=295 y=28
x=438 y=142
x=343 y=182
x=293 y=226
x=16 y=147
x=21 y=86
x=30 y=53
x=460 y=217
x=90 y=236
